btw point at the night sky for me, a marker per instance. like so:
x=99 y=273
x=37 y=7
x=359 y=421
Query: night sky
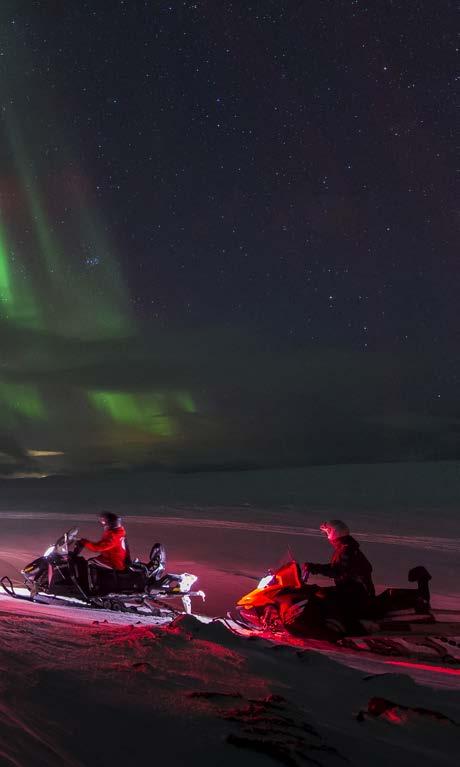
x=228 y=234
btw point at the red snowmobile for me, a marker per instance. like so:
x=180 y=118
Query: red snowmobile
x=284 y=600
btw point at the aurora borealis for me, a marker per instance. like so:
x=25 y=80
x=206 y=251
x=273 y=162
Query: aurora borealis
x=227 y=239
x=49 y=295
x=54 y=298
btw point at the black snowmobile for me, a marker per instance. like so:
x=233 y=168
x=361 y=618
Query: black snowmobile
x=61 y=574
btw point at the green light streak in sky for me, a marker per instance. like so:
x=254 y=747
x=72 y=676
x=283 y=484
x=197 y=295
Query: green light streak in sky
x=16 y=298
x=143 y=411
x=6 y=294
x=185 y=402
x=42 y=228
x=90 y=303
x=112 y=308
x=148 y=412
x=23 y=400
x=60 y=277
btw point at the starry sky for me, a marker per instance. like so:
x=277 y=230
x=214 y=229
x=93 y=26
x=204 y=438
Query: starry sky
x=228 y=234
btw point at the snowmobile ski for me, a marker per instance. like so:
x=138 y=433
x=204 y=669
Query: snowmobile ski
x=39 y=598
x=8 y=587
x=255 y=630
x=100 y=604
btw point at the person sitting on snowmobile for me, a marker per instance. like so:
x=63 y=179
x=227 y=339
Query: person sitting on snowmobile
x=112 y=548
x=354 y=590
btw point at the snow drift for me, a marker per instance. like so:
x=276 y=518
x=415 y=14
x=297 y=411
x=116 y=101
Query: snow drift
x=95 y=693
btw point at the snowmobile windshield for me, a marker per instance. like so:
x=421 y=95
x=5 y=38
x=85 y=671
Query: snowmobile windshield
x=62 y=543
x=265 y=581
x=289 y=575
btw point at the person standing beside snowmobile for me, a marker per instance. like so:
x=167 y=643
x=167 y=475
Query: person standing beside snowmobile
x=112 y=548
x=354 y=589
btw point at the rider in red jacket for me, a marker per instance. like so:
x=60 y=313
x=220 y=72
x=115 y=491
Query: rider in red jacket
x=112 y=546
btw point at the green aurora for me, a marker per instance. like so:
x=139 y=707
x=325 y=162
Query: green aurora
x=50 y=290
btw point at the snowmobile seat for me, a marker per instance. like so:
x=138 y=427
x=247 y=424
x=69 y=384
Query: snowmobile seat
x=105 y=580
x=130 y=580
x=393 y=600
x=422 y=578
x=418 y=574
x=137 y=567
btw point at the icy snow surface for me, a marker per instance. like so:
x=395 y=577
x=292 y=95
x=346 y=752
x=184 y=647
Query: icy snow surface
x=80 y=692
x=76 y=690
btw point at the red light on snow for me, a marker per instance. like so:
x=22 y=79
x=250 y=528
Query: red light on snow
x=393 y=716
x=425 y=667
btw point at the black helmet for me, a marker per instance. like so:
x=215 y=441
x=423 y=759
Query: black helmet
x=110 y=519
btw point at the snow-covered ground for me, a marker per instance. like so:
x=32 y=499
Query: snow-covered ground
x=79 y=692
x=83 y=692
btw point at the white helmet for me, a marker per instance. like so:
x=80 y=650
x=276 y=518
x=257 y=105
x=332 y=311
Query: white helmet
x=335 y=528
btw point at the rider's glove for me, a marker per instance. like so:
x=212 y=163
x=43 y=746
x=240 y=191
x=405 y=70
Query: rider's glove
x=305 y=570
x=309 y=568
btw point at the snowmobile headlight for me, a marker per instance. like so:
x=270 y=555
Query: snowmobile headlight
x=265 y=581
x=29 y=569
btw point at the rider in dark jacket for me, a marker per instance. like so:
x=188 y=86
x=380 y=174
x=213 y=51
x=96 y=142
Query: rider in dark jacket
x=352 y=572
x=348 y=563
